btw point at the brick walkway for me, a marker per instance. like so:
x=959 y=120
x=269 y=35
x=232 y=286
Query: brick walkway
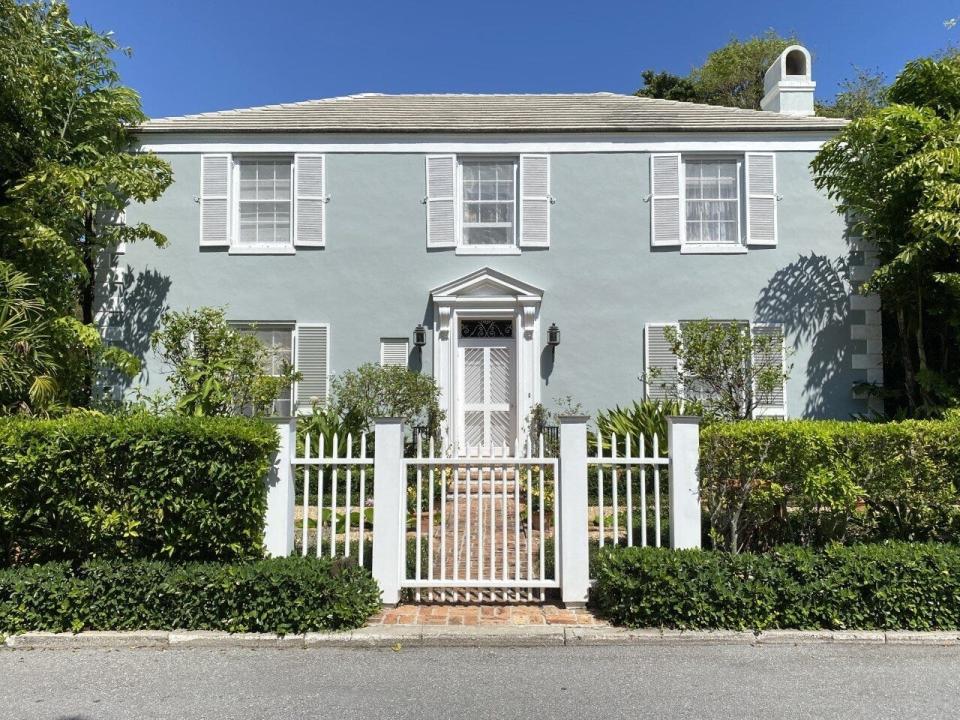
x=449 y=614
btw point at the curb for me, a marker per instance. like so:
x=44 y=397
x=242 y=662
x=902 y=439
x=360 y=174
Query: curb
x=400 y=636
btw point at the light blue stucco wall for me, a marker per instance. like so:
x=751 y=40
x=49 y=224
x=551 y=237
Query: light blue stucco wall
x=601 y=279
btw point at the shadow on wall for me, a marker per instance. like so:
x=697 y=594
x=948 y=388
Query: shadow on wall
x=143 y=300
x=810 y=296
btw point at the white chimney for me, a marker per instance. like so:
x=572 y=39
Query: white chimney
x=788 y=84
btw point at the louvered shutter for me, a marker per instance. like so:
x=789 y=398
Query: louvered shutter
x=312 y=361
x=660 y=360
x=215 y=200
x=666 y=213
x=441 y=201
x=394 y=351
x=772 y=403
x=534 y=201
x=761 y=199
x=310 y=200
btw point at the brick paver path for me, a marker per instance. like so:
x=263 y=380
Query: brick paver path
x=451 y=614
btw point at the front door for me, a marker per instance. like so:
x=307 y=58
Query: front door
x=487 y=390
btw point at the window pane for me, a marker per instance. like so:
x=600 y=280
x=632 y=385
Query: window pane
x=489 y=199
x=712 y=207
x=487 y=236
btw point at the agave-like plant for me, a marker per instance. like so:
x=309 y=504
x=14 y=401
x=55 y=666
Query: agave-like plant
x=27 y=369
x=646 y=418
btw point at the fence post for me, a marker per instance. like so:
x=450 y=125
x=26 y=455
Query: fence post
x=683 y=439
x=281 y=492
x=389 y=507
x=574 y=570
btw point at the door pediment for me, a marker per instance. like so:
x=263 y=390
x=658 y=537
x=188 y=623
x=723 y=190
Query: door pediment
x=487 y=284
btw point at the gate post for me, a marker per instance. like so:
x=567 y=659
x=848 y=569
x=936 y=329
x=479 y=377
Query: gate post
x=281 y=492
x=574 y=570
x=683 y=440
x=389 y=507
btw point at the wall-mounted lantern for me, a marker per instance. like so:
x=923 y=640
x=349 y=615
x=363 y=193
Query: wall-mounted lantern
x=420 y=336
x=553 y=335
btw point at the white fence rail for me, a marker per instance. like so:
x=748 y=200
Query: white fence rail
x=482 y=526
x=625 y=474
x=506 y=526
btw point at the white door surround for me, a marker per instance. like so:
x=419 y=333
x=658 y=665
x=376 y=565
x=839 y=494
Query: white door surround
x=486 y=294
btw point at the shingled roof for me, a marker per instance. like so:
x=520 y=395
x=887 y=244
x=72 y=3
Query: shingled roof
x=593 y=112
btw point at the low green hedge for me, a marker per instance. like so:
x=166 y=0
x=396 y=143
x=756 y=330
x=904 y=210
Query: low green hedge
x=895 y=586
x=93 y=486
x=282 y=595
x=809 y=482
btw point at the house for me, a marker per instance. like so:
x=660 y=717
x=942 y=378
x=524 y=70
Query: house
x=450 y=233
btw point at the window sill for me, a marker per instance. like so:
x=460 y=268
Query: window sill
x=491 y=250
x=706 y=249
x=279 y=250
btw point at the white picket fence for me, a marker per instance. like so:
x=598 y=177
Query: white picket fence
x=505 y=526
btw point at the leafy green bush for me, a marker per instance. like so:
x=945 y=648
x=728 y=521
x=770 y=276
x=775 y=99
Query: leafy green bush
x=909 y=586
x=809 y=482
x=93 y=486
x=282 y=595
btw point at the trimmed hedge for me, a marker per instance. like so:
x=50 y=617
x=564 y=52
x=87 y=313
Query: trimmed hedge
x=814 y=482
x=895 y=586
x=94 y=486
x=282 y=595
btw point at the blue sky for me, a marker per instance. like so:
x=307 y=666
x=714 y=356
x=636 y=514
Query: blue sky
x=196 y=55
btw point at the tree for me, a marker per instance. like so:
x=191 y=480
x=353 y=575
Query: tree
x=731 y=76
x=373 y=391
x=724 y=367
x=858 y=96
x=896 y=174
x=25 y=358
x=67 y=172
x=216 y=369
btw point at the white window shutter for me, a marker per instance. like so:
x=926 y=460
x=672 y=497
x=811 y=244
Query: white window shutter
x=666 y=210
x=535 y=201
x=761 y=199
x=774 y=403
x=660 y=358
x=309 y=171
x=312 y=361
x=441 y=201
x=394 y=351
x=215 y=171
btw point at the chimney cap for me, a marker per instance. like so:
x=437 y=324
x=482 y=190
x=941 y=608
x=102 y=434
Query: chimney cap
x=788 y=83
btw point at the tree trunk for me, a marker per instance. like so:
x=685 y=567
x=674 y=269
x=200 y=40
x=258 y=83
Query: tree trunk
x=87 y=299
x=909 y=377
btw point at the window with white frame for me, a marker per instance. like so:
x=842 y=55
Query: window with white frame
x=264 y=202
x=712 y=200
x=278 y=339
x=489 y=199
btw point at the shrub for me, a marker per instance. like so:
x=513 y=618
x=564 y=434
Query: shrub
x=813 y=482
x=909 y=586
x=646 y=418
x=94 y=486
x=282 y=595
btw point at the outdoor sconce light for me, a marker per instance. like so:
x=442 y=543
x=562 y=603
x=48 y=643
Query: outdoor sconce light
x=420 y=336
x=553 y=335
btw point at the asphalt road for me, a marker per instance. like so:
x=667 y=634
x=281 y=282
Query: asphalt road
x=548 y=683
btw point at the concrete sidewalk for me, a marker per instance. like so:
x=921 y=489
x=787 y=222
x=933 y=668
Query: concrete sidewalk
x=425 y=635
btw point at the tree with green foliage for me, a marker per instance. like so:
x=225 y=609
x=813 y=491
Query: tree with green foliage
x=896 y=173
x=67 y=172
x=858 y=96
x=25 y=358
x=721 y=367
x=731 y=76
x=373 y=391
x=216 y=369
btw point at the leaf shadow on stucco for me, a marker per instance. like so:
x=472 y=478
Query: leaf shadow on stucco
x=811 y=298
x=140 y=300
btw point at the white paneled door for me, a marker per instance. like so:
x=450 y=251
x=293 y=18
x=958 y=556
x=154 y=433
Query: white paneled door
x=487 y=395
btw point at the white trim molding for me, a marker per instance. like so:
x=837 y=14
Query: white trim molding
x=486 y=293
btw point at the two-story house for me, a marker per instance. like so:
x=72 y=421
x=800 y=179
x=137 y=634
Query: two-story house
x=517 y=247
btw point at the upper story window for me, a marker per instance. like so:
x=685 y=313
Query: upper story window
x=704 y=203
x=481 y=205
x=712 y=199
x=489 y=200
x=264 y=202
